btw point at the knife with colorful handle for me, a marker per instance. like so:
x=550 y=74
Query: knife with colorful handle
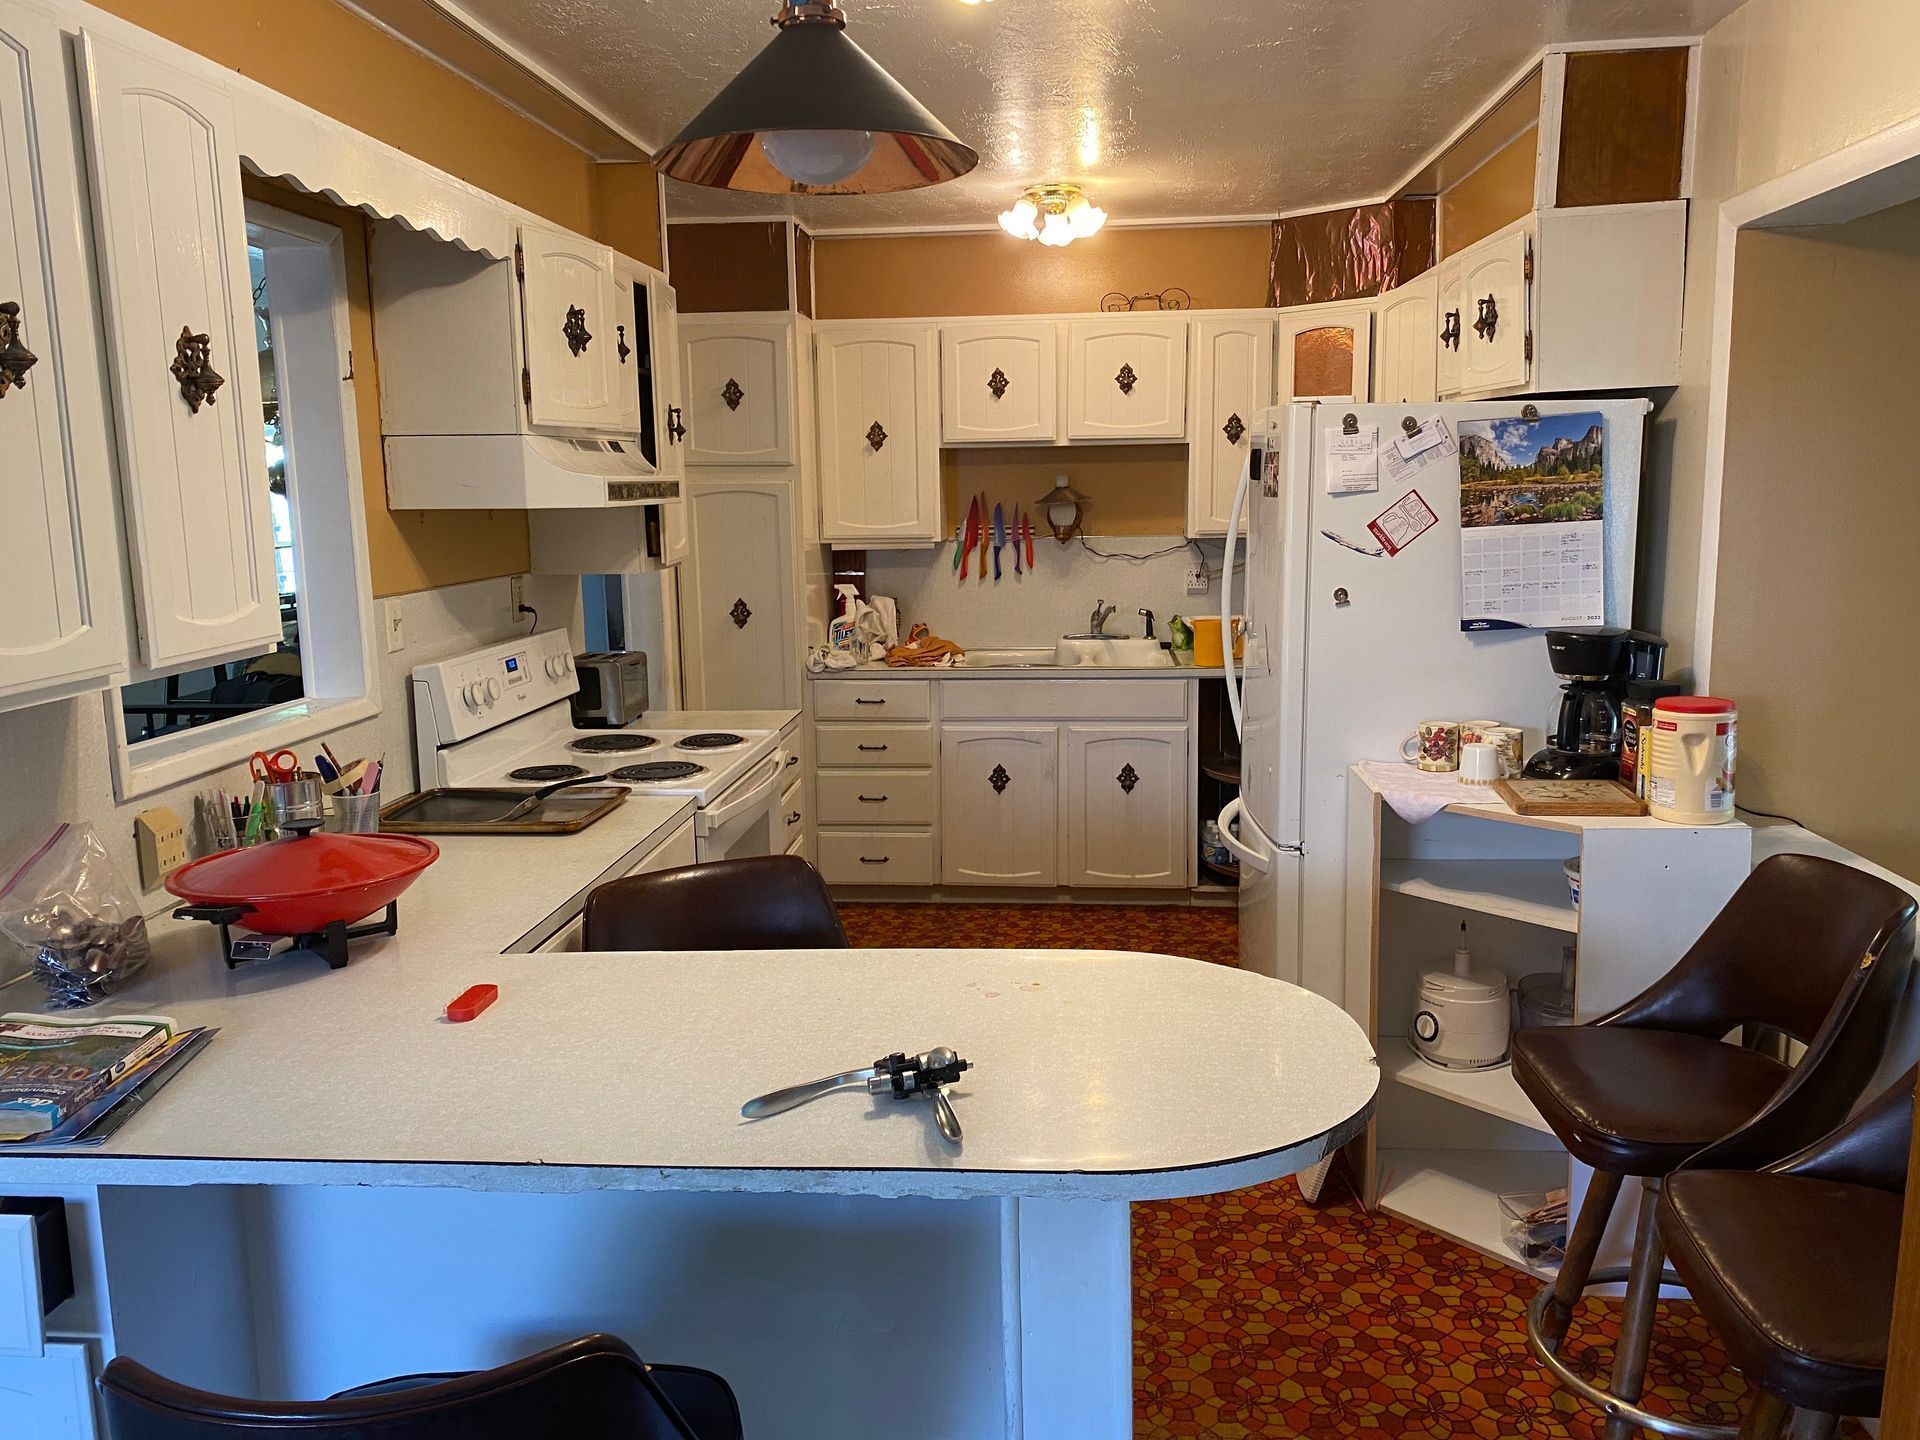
x=999 y=538
x=973 y=532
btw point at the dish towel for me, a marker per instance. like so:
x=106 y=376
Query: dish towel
x=1417 y=794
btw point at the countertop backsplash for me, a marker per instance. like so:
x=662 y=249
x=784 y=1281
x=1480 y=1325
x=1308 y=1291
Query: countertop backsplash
x=1057 y=598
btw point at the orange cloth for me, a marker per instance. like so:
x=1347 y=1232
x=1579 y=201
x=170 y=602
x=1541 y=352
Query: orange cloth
x=923 y=648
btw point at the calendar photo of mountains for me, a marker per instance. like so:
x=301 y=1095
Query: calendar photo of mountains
x=1549 y=471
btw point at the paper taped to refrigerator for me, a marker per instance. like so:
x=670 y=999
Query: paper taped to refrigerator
x=1532 y=522
x=1353 y=461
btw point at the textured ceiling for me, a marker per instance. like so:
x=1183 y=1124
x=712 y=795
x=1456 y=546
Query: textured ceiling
x=1162 y=108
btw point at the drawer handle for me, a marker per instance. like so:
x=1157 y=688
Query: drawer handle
x=871 y=749
x=15 y=358
x=794 y=818
x=1128 y=778
x=1450 y=331
x=873 y=799
x=869 y=860
x=999 y=779
x=193 y=368
x=792 y=760
x=578 y=336
x=858 y=700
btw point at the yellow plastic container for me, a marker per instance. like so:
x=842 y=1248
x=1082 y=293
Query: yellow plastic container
x=1206 y=641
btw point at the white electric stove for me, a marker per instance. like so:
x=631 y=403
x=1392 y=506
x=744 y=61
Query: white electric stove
x=500 y=717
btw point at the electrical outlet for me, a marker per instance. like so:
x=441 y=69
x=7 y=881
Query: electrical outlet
x=516 y=597
x=1197 y=582
x=161 y=838
x=396 y=628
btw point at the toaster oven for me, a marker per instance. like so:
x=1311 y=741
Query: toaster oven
x=613 y=688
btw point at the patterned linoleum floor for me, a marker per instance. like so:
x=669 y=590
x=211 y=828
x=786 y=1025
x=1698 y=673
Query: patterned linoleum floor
x=1257 y=1315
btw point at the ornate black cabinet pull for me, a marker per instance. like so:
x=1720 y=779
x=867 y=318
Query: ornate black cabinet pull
x=876 y=435
x=625 y=349
x=1233 y=429
x=999 y=779
x=999 y=384
x=740 y=613
x=676 y=427
x=1450 y=330
x=1126 y=379
x=1489 y=321
x=578 y=336
x=1128 y=778
x=732 y=393
x=193 y=367
x=15 y=358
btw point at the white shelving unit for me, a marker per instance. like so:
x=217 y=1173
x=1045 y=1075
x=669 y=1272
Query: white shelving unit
x=1446 y=1144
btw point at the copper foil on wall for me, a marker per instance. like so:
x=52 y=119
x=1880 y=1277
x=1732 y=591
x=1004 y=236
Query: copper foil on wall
x=1351 y=254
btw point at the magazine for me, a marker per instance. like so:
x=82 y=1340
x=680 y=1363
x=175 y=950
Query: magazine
x=52 y=1068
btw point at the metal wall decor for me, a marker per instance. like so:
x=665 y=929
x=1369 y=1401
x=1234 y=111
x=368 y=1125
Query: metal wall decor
x=1126 y=379
x=1128 y=778
x=876 y=435
x=1450 y=330
x=1172 y=298
x=193 y=367
x=1489 y=321
x=999 y=779
x=740 y=613
x=732 y=393
x=1233 y=429
x=578 y=336
x=15 y=359
x=998 y=384
x=624 y=348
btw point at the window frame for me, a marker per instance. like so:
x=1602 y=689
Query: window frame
x=311 y=320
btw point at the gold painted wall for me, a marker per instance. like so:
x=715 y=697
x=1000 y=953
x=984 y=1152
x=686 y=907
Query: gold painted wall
x=1490 y=198
x=890 y=276
x=626 y=211
x=1135 y=489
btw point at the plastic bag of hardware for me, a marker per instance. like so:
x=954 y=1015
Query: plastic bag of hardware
x=77 y=922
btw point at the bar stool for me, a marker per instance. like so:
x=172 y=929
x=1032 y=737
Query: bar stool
x=768 y=902
x=593 y=1386
x=1794 y=1266
x=1806 y=948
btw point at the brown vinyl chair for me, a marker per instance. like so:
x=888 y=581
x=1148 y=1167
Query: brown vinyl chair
x=1794 y=1265
x=768 y=902
x=1806 y=948
x=591 y=1387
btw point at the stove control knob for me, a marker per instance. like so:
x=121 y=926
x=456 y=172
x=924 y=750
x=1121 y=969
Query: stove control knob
x=472 y=695
x=493 y=691
x=554 y=668
x=566 y=664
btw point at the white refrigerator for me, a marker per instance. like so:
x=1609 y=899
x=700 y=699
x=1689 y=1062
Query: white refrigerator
x=1346 y=652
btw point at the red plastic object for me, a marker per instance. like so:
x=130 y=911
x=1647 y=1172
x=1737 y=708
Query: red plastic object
x=1694 y=705
x=471 y=1001
x=302 y=884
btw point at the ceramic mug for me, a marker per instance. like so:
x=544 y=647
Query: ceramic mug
x=1479 y=763
x=1509 y=740
x=1434 y=746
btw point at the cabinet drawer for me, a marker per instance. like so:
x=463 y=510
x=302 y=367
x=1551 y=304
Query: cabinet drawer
x=872 y=797
x=1064 y=700
x=879 y=857
x=872 y=699
x=873 y=746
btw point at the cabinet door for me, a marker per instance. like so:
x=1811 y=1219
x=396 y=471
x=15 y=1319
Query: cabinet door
x=1126 y=805
x=807 y=432
x=663 y=304
x=61 y=628
x=1232 y=383
x=745 y=651
x=1127 y=378
x=570 y=319
x=879 y=451
x=998 y=382
x=1495 y=337
x=628 y=354
x=171 y=227
x=1325 y=352
x=1447 y=332
x=1405 y=357
x=737 y=375
x=999 y=805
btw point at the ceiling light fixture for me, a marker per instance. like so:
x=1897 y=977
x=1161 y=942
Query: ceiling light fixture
x=1056 y=214
x=814 y=114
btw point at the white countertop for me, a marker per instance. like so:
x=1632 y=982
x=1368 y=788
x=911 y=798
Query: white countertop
x=1023 y=672
x=1481 y=802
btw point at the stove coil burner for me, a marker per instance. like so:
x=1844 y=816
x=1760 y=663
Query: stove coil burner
x=546 y=774
x=612 y=744
x=658 y=770
x=712 y=740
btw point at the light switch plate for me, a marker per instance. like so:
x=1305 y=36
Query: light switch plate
x=396 y=627
x=161 y=838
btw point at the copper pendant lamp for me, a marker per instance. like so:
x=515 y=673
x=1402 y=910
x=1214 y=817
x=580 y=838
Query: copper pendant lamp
x=814 y=114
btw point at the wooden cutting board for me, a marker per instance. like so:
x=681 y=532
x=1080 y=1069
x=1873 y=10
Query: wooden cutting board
x=1569 y=797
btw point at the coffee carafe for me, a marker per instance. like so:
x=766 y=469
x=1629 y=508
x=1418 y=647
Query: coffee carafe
x=1583 y=734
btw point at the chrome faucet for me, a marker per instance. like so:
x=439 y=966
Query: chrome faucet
x=1102 y=612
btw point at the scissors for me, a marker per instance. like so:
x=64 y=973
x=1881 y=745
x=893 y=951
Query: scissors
x=276 y=768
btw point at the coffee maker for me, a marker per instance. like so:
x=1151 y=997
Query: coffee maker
x=1594 y=663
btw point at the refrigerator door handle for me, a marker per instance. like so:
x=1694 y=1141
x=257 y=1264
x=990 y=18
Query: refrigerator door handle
x=1230 y=816
x=1239 y=507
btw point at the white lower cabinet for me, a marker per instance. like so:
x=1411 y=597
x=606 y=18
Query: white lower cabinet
x=741 y=624
x=1125 y=805
x=50 y=1396
x=1000 y=804
x=876 y=857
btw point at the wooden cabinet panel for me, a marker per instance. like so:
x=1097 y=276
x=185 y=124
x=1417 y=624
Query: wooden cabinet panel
x=570 y=320
x=1325 y=352
x=1125 y=807
x=737 y=378
x=998 y=382
x=743 y=636
x=1232 y=383
x=61 y=628
x=170 y=221
x=1127 y=378
x=999 y=805
x=1406 y=353
x=1495 y=321
x=879 y=445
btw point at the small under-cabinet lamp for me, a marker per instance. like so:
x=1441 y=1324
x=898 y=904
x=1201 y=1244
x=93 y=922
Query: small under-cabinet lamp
x=1064 y=508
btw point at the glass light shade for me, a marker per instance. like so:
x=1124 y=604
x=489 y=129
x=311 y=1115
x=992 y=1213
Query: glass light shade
x=1056 y=215
x=1056 y=230
x=1018 y=222
x=818 y=157
x=1085 y=217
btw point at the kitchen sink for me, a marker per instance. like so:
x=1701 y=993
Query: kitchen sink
x=1135 y=651
x=1029 y=659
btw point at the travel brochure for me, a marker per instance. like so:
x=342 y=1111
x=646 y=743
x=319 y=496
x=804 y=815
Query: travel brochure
x=65 y=1080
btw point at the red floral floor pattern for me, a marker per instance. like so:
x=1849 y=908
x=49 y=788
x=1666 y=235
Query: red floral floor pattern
x=1257 y=1315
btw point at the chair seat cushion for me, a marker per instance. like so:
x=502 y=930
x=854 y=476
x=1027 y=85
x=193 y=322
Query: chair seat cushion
x=1795 y=1274
x=1639 y=1102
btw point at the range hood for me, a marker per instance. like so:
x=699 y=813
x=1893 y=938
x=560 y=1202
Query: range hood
x=519 y=472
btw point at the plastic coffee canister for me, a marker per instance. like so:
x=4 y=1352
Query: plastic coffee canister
x=1690 y=760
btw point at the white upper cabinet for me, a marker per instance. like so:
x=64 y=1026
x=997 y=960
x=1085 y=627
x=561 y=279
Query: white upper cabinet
x=171 y=226
x=1496 y=339
x=998 y=382
x=1448 y=358
x=570 y=319
x=1325 y=352
x=61 y=628
x=1127 y=378
x=879 y=437
x=1407 y=351
x=742 y=641
x=1232 y=383
x=736 y=372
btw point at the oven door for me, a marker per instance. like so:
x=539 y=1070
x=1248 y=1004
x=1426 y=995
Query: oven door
x=741 y=822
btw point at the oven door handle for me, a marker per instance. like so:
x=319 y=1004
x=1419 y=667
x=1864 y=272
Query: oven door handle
x=758 y=793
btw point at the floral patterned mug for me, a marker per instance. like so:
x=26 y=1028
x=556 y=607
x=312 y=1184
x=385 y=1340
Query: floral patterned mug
x=1435 y=746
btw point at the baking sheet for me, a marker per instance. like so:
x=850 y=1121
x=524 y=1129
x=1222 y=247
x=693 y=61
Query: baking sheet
x=478 y=811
